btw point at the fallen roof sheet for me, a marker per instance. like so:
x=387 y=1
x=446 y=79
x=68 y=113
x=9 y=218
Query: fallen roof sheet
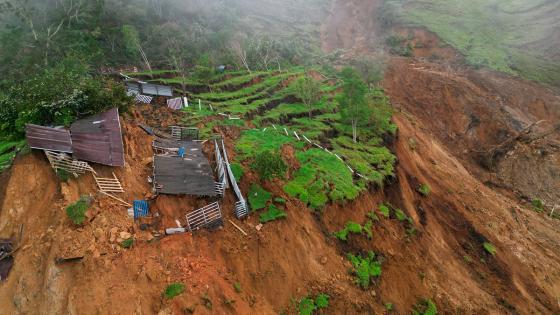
x=155 y=89
x=46 y=138
x=190 y=175
x=99 y=139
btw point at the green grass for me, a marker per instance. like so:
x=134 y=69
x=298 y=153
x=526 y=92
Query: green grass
x=237 y=171
x=365 y=268
x=498 y=34
x=321 y=177
x=258 y=197
x=173 y=290
x=273 y=213
x=240 y=80
x=489 y=248
x=266 y=84
x=77 y=211
x=255 y=141
x=8 y=152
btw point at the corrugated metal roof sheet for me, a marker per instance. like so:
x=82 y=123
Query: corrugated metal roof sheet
x=158 y=90
x=46 y=138
x=99 y=139
x=190 y=175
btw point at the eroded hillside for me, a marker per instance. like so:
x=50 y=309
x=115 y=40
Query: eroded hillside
x=471 y=243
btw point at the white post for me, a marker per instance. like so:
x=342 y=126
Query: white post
x=286 y=131
x=186 y=101
x=199 y=104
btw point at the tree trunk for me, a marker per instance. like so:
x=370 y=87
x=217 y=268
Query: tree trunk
x=354 y=131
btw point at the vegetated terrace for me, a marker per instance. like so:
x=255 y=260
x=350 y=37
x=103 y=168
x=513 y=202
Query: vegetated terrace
x=265 y=108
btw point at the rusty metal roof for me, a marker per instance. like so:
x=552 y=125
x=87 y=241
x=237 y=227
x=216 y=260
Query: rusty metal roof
x=99 y=139
x=47 y=138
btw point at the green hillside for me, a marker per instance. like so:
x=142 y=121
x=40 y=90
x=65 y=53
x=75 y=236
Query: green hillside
x=516 y=37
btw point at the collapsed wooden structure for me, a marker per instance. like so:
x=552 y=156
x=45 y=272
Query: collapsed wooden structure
x=62 y=161
x=97 y=138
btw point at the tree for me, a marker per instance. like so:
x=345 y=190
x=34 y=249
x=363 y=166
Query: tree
x=370 y=69
x=308 y=90
x=352 y=103
x=204 y=71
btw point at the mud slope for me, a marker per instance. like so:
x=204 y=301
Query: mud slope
x=449 y=116
x=285 y=260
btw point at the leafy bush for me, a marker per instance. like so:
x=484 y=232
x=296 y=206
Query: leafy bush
x=258 y=197
x=63 y=175
x=58 y=95
x=425 y=307
x=269 y=164
x=365 y=268
x=127 y=243
x=490 y=248
x=424 y=190
x=273 y=213
x=308 y=305
x=538 y=205
x=385 y=210
x=173 y=290
x=280 y=200
x=350 y=227
x=77 y=211
x=401 y=216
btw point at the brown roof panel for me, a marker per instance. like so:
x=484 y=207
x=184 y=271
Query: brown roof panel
x=99 y=139
x=47 y=138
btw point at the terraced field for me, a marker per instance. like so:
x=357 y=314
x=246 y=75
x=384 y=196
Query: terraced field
x=264 y=106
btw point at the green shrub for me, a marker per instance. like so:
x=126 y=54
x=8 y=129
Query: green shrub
x=280 y=200
x=308 y=305
x=385 y=210
x=350 y=227
x=269 y=165
x=367 y=229
x=63 y=175
x=424 y=190
x=321 y=177
x=127 y=243
x=372 y=216
x=365 y=268
x=322 y=300
x=237 y=171
x=173 y=290
x=538 y=205
x=389 y=306
x=489 y=247
x=425 y=307
x=273 y=213
x=77 y=211
x=237 y=287
x=401 y=216
x=258 y=197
